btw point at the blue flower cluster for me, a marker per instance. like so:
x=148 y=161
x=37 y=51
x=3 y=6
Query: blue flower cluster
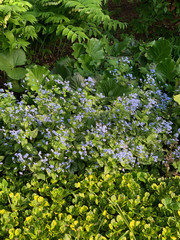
x=63 y=126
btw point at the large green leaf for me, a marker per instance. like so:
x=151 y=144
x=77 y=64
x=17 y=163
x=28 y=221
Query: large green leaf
x=9 y=60
x=35 y=77
x=76 y=81
x=16 y=87
x=85 y=61
x=16 y=73
x=110 y=88
x=95 y=50
x=19 y=57
x=78 y=49
x=166 y=70
x=63 y=67
x=159 y=50
x=6 y=62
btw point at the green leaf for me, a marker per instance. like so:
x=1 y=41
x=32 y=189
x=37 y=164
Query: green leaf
x=177 y=98
x=120 y=46
x=74 y=37
x=159 y=50
x=10 y=36
x=113 y=198
x=177 y=165
x=2 y=158
x=142 y=176
x=16 y=73
x=76 y=81
x=16 y=87
x=17 y=147
x=67 y=237
x=4 y=184
x=19 y=57
x=65 y=32
x=6 y=62
x=78 y=49
x=34 y=133
x=62 y=67
x=29 y=147
x=166 y=201
x=95 y=50
x=165 y=70
x=175 y=206
x=40 y=176
x=35 y=77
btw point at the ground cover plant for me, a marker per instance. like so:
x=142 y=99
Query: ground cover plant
x=89 y=147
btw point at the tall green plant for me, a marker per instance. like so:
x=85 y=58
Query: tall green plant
x=75 y=20
x=16 y=24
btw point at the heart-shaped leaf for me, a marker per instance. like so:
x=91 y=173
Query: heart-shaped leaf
x=16 y=73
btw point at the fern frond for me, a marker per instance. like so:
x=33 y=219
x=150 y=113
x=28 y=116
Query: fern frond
x=52 y=3
x=29 y=17
x=57 y=18
x=30 y=32
x=71 y=32
x=74 y=4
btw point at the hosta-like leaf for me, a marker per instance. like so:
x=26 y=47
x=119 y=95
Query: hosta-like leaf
x=16 y=73
x=166 y=70
x=95 y=50
x=9 y=60
x=76 y=81
x=78 y=49
x=62 y=67
x=160 y=50
x=16 y=87
x=19 y=57
x=5 y=62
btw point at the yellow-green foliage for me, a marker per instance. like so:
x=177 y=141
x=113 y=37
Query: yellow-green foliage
x=92 y=206
x=16 y=24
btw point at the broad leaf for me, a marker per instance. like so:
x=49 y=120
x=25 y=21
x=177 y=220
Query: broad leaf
x=76 y=81
x=160 y=50
x=166 y=70
x=6 y=62
x=78 y=49
x=95 y=50
x=35 y=77
x=62 y=67
x=16 y=73
x=16 y=87
x=19 y=57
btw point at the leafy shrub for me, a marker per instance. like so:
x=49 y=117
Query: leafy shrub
x=22 y=20
x=159 y=57
x=16 y=24
x=72 y=19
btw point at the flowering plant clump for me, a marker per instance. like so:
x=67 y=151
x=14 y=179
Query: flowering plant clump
x=58 y=129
